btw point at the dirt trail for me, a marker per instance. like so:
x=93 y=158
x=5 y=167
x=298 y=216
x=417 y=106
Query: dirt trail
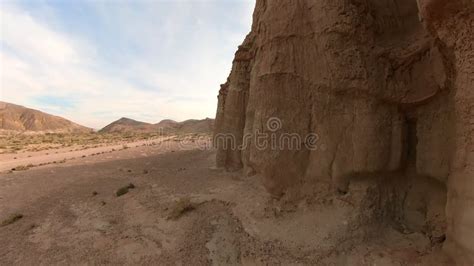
x=233 y=222
x=11 y=160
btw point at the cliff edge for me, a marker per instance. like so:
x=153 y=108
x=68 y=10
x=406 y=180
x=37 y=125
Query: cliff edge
x=326 y=93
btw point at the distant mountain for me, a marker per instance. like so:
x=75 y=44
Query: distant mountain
x=127 y=125
x=166 y=123
x=18 y=118
x=196 y=126
x=166 y=126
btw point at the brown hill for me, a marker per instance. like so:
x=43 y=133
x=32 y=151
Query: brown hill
x=166 y=126
x=18 y=118
x=196 y=126
x=127 y=125
x=167 y=123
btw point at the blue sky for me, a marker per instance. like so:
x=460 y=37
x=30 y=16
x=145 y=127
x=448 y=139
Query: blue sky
x=96 y=61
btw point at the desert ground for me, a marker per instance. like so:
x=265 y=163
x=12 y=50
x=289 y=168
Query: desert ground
x=180 y=210
x=20 y=151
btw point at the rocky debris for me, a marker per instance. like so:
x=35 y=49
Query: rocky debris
x=382 y=86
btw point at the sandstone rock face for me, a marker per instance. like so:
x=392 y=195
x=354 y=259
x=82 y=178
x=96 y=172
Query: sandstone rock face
x=452 y=24
x=380 y=86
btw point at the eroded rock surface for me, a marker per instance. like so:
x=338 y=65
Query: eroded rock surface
x=386 y=85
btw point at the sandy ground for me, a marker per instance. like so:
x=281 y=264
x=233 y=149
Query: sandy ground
x=9 y=161
x=233 y=222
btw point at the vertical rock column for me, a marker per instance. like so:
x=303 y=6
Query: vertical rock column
x=452 y=22
x=232 y=104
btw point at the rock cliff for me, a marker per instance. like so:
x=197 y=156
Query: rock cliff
x=324 y=92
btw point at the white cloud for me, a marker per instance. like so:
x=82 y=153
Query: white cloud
x=23 y=33
x=176 y=80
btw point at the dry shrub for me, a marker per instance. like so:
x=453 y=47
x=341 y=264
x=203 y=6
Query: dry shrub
x=11 y=219
x=180 y=207
x=124 y=190
x=20 y=168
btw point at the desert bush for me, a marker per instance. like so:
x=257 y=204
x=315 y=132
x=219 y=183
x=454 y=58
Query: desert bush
x=180 y=207
x=124 y=190
x=121 y=191
x=11 y=219
x=20 y=168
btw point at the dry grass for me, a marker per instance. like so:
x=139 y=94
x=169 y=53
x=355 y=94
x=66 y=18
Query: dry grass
x=11 y=219
x=11 y=142
x=21 y=168
x=124 y=190
x=121 y=191
x=180 y=207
